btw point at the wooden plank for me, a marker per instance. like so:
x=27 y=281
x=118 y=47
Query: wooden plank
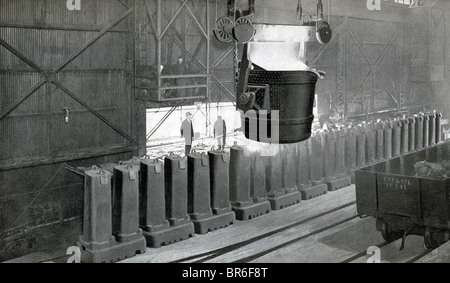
x=331 y=246
x=205 y=245
x=36 y=257
x=86 y=154
x=439 y=255
x=341 y=243
x=250 y=252
x=391 y=253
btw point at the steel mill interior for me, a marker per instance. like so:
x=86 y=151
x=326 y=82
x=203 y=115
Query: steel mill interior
x=224 y=131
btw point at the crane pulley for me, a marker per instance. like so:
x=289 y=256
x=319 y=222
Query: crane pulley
x=239 y=28
x=323 y=29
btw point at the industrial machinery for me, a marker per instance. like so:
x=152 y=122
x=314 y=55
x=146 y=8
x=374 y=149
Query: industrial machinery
x=409 y=195
x=275 y=86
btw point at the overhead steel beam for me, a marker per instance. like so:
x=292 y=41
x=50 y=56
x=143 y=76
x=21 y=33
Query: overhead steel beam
x=222 y=57
x=21 y=56
x=126 y=5
x=172 y=19
x=93 y=40
x=24 y=97
x=225 y=90
x=161 y=122
x=197 y=22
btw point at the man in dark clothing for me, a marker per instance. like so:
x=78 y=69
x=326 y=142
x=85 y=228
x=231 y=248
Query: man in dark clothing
x=220 y=132
x=179 y=69
x=187 y=131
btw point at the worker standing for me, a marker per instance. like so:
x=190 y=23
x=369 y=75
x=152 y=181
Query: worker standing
x=220 y=132
x=179 y=69
x=187 y=131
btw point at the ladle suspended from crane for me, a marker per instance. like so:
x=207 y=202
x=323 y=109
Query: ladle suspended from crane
x=275 y=89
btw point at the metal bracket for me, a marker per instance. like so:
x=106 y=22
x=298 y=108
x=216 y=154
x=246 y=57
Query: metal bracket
x=132 y=174
x=104 y=180
x=243 y=76
x=231 y=8
x=182 y=163
x=232 y=12
x=205 y=160
x=266 y=100
x=50 y=77
x=405 y=234
x=225 y=158
x=247 y=94
x=158 y=166
x=251 y=6
x=104 y=177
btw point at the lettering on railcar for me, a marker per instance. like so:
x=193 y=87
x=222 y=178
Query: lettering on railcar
x=397 y=183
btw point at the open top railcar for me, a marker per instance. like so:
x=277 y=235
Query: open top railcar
x=406 y=199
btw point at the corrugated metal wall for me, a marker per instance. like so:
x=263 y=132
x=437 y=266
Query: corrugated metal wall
x=430 y=43
x=52 y=58
x=46 y=33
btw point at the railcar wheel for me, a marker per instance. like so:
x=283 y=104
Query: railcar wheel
x=389 y=236
x=430 y=240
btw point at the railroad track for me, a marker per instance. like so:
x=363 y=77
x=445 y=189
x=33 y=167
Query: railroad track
x=409 y=257
x=389 y=251
x=204 y=257
x=259 y=255
x=418 y=257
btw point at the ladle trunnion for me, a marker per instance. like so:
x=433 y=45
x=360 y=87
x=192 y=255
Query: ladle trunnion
x=409 y=195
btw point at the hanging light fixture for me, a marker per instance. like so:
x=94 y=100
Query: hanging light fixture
x=66 y=115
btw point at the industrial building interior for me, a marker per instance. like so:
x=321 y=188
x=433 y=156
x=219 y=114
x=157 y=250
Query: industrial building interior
x=224 y=131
